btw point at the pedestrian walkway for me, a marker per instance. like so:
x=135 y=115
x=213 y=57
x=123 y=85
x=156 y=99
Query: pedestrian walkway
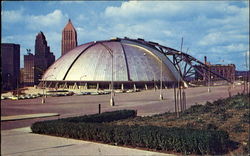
x=21 y=141
x=27 y=116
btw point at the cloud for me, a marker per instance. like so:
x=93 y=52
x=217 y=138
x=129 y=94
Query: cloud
x=71 y=2
x=81 y=18
x=51 y=20
x=12 y=16
x=171 y=9
x=207 y=24
x=231 y=48
x=209 y=28
x=219 y=38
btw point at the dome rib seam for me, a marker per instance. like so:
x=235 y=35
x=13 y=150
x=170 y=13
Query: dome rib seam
x=77 y=59
x=126 y=61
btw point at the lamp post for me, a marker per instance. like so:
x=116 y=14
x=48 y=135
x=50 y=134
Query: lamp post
x=154 y=84
x=161 y=96
x=17 y=89
x=36 y=68
x=112 y=102
x=43 y=98
x=209 y=79
x=81 y=80
x=177 y=101
x=45 y=95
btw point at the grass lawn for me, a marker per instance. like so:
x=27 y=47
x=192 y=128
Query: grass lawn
x=214 y=128
x=230 y=115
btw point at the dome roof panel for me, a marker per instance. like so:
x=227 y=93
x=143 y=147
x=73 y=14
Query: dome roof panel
x=59 y=68
x=132 y=61
x=95 y=64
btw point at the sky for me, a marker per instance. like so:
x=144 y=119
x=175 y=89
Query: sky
x=216 y=29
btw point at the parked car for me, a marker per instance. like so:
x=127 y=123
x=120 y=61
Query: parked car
x=22 y=97
x=14 y=98
x=86 y=93
x=130 y=91
x=3 y=97
x=94 y=93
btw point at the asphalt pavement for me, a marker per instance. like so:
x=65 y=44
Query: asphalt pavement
x=15 y=115
x=20 y=142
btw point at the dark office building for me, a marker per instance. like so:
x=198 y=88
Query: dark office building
x=10 y=67
x=36 y=65
x=43 y=57
x=21 y=76
x=69 y=38
x=28 y=75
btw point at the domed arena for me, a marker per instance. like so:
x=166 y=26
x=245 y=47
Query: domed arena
x=126 y=63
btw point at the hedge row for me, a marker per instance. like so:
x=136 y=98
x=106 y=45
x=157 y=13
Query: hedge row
x=188 y=141
x=103 y=117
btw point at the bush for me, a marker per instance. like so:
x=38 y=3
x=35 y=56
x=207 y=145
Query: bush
x=245 y=118
x=225 y=116
x=238 y=128
x=240 y=101
x=246 y=147
x=103 y=117
x=93 y=128
x=211 y=126
x=198 y=109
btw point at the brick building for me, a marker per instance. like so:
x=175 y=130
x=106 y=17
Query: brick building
x=227 y=71
x=69 y=38
x=10 y=66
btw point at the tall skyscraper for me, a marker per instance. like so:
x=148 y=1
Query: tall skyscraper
x=69 y=38
x=36 y=65
x=10 y=68
x=28 y=75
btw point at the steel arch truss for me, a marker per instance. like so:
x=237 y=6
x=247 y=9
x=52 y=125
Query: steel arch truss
x=186 y=64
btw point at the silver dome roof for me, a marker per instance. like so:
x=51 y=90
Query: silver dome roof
x=132 y=61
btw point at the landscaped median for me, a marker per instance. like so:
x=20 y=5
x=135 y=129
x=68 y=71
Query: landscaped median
x=98 y=127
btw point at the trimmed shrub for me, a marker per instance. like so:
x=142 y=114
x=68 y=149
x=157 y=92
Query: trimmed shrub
x=92 y=127
x=103 y=117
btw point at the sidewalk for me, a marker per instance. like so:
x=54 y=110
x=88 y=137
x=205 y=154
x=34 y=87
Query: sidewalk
x=27 y=116
x=21 y=142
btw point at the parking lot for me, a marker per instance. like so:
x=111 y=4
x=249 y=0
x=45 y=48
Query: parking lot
x=145 y=102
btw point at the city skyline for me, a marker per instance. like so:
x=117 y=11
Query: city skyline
x=218 y=30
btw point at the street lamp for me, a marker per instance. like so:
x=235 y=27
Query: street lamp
x=209 y=77
x=17 y=89
x=36 y=68
x=81 y=80
x=43 y=98
x=112 y=102
x=161 y=96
